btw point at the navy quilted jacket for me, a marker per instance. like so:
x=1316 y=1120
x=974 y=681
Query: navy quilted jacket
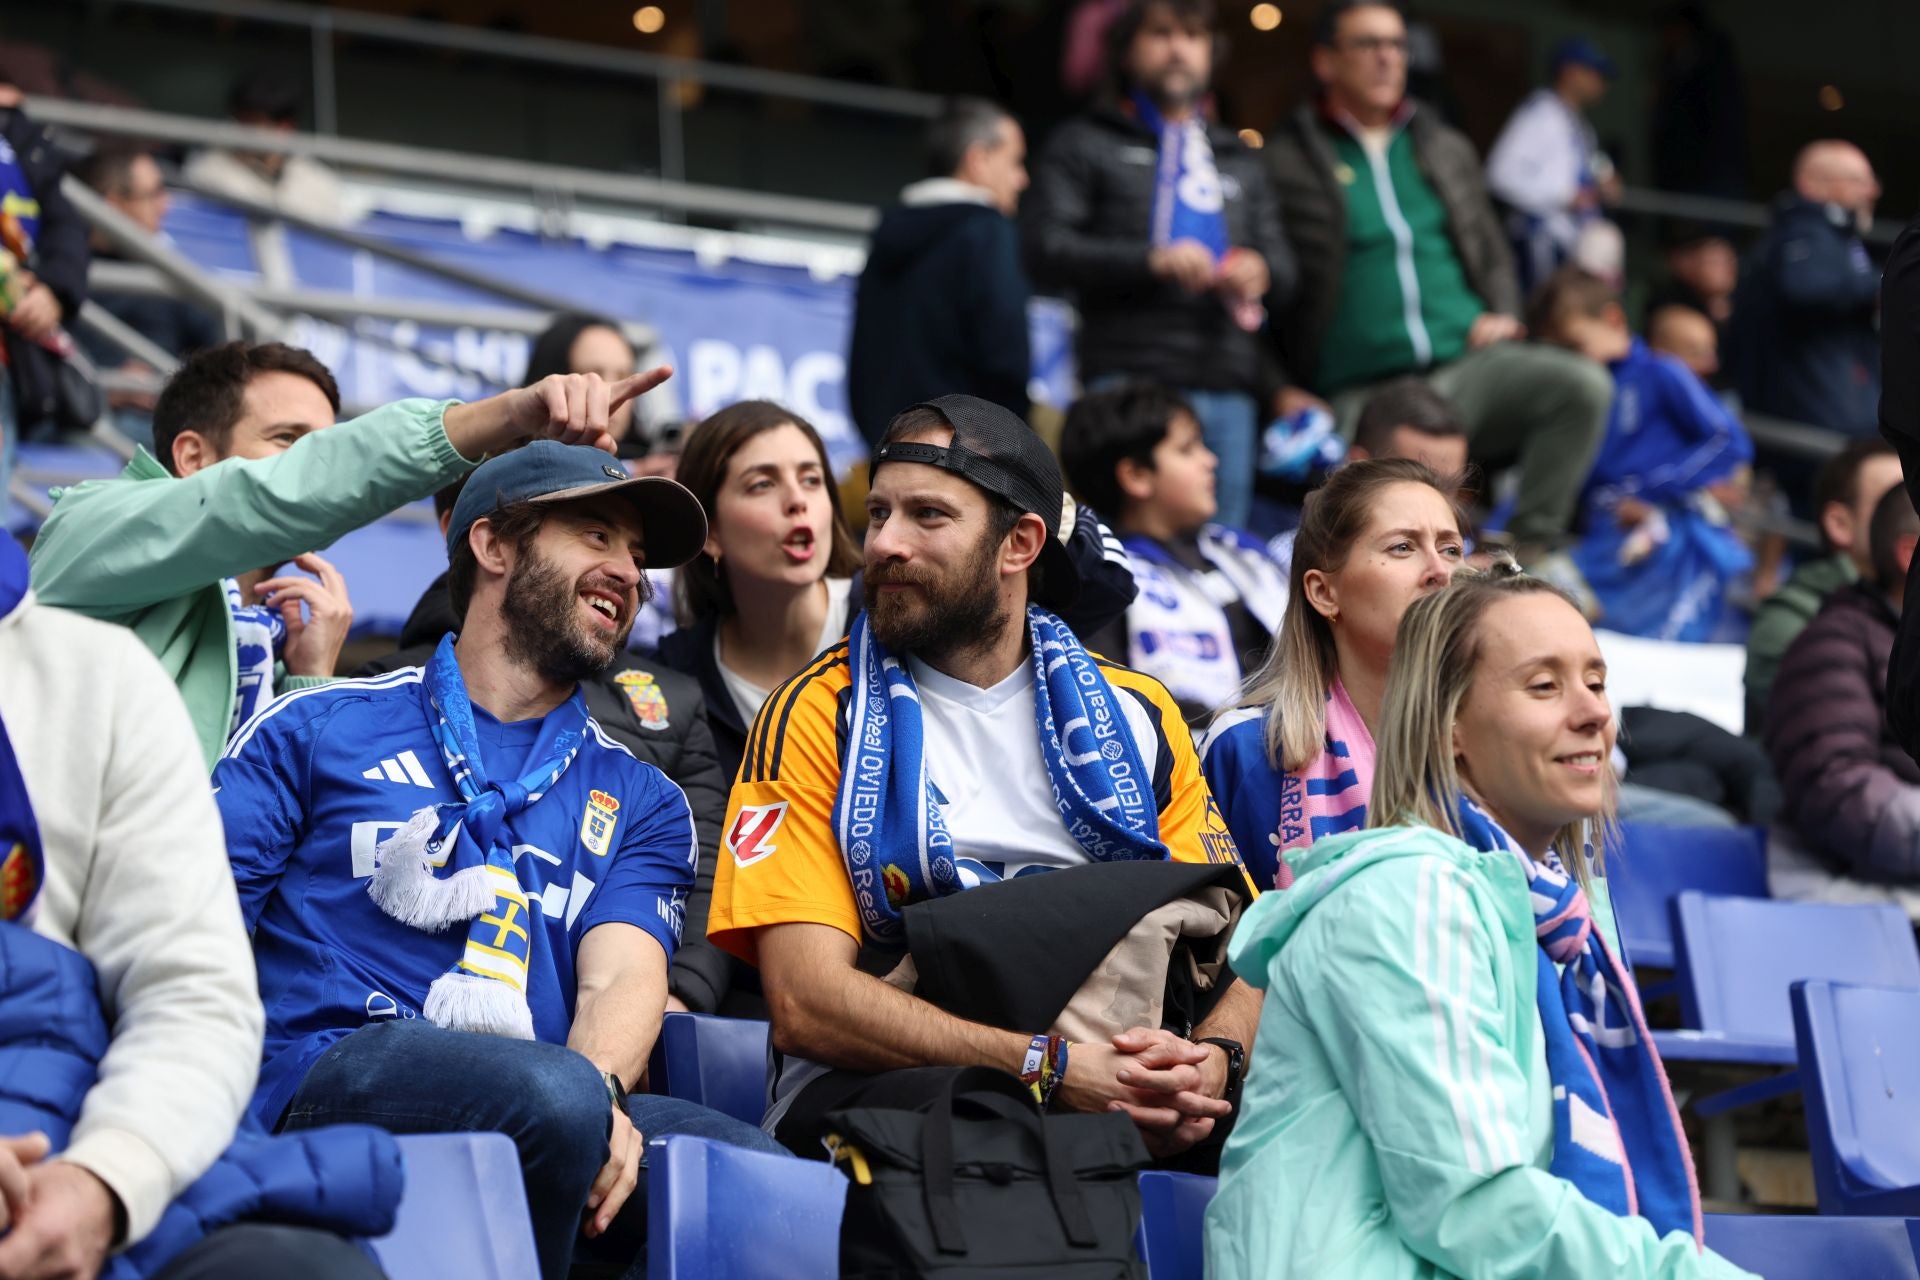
x=53 y=1034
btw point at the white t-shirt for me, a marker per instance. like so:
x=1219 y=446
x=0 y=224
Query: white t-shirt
x=749 y=697
x=989 y=779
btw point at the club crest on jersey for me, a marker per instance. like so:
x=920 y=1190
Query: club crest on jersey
x=643 y=694
x=19 y=882
x=750 y=838
x=598 y=822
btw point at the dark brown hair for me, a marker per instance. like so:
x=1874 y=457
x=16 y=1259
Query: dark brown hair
x=516 y=523
x=700 y=589
x=208 y=392
x=1570 y=291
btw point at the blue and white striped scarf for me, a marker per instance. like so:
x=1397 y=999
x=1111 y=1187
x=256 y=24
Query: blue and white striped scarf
x=1616 y=1131
x=454 y=862
x=895 y=841
x=1188 y=200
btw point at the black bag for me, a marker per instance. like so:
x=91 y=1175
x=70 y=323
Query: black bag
x=979 y=1184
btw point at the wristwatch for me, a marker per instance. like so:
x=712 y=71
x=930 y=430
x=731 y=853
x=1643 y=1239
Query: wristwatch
x=616 y=1092
x=1236 y=1062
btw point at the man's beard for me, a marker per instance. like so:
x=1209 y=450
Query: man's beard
x=545 y=632
x=944 y=615
x=1175 y=90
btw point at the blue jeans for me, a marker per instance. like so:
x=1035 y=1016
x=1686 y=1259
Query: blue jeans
x=414 y=1077
x=1230 y=424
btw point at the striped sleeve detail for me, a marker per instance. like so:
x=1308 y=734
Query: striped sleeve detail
x=1442 y=956
x=769 y=735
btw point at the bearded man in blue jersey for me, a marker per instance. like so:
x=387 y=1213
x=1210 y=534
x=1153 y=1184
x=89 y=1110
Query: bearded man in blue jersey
x=463 y=894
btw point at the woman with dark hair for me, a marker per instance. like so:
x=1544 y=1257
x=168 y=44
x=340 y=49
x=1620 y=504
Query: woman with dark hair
x=1452 y=1075
x=578 y=342
x=774 y=584
x=1294 y=761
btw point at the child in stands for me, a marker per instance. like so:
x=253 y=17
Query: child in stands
x=1210 y=597
x=1658 y=551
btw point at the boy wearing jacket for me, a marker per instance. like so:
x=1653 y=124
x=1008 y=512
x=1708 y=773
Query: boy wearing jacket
x=1657 y=550
x=1210 y=597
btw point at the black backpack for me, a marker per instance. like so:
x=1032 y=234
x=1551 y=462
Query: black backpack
x=980 y=1184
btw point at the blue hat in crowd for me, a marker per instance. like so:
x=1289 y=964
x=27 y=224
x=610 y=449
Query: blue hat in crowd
x=671 y=519
x=1578 y=51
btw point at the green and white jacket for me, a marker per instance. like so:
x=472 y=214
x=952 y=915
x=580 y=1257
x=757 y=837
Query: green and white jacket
x=1397 y=1120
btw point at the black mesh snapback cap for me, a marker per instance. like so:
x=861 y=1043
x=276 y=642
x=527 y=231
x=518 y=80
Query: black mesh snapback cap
x=993 y=449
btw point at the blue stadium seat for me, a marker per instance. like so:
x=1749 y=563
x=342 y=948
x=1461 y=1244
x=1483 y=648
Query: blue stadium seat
x=1738 y=957
x=716 y=1062
x=1173 y=1211
x=716 y=1212
x=1655 y=863
x=1803 y=1247
x=472 y=1179
x=1860 y=1074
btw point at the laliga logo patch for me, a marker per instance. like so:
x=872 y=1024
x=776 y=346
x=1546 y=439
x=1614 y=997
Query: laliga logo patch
x=750 y=838
x=896 y=884
x=598 y=822
x=643 y=694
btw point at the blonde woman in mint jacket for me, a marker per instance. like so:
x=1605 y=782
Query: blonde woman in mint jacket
x=1434 y=1091
x=247 y=478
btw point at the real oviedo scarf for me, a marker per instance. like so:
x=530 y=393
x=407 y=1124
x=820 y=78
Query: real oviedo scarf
x=22 y=868
x=893 y=837
x=1616 y=1131
x=453 y=863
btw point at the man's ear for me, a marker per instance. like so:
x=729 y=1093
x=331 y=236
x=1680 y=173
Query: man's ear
x=1135 y=479
x=490 y=552
x=1358 y=453
x=1903 y=552
x=192 y=452
x=1837 y=523
x=1023 y=545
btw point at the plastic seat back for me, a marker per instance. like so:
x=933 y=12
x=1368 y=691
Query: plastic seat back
x=716 y=1212
x=1737 y=958
x=472 y=1179
x=1803 y=1245
x=1173 y=1212
x=717 y=1062
x=1655 y=863
x=1860 y=1068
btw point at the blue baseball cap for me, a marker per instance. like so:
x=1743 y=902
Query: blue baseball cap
x=671 y=520
x=1578 y=51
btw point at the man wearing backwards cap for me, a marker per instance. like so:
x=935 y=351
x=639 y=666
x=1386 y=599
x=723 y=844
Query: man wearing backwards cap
x=955 y=684
x=463 y=895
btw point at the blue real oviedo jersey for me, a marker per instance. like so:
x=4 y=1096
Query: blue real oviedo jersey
x=310 y=786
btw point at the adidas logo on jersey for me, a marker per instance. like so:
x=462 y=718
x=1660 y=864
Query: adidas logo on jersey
x=403 y=768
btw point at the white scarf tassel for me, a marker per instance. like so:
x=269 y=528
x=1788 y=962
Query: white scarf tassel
x=405 y=887
x=463 y=1002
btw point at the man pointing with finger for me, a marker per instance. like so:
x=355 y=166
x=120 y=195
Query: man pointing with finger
x=246 y=477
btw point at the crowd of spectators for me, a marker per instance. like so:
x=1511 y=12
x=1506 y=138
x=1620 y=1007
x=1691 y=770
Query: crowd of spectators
x=665 y=736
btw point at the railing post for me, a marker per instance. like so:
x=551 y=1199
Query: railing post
x=326 y=101
x=673 y=138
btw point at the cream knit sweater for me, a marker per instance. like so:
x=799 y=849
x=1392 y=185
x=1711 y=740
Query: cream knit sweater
x=137 y=880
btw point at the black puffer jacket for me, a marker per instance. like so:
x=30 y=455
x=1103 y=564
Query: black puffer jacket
x=660 y=716
x=1087 y=226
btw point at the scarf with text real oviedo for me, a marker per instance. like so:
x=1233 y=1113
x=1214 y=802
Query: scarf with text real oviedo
x=453 y=863
x=895 y=841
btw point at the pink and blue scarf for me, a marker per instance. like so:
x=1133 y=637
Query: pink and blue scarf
x=1616 y=1131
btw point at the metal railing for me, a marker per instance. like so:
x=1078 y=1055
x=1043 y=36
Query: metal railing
x=668 y=74
x=526 y=177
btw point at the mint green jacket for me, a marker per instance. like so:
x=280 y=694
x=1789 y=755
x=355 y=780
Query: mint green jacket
x=149 y=549
x=1397 y=1120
